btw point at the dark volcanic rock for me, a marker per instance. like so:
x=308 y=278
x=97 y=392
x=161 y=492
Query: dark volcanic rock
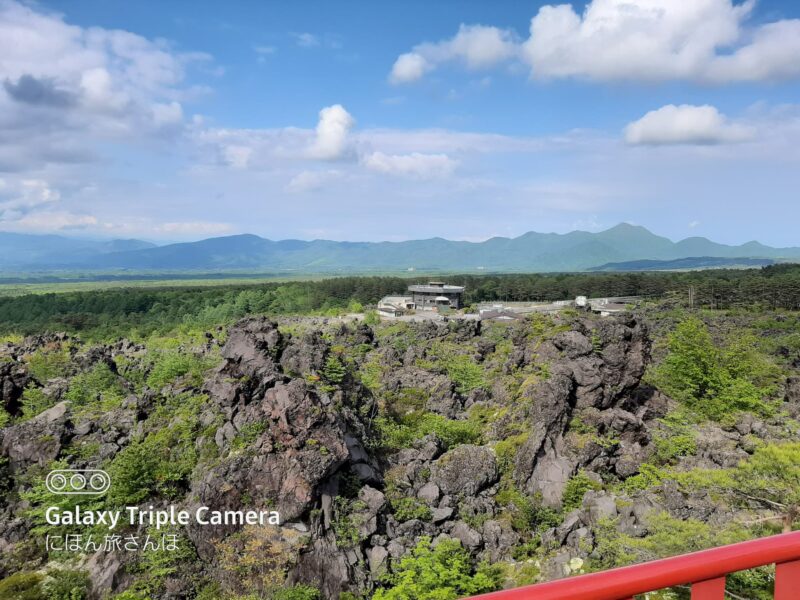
x=13 y=379
x=284 y=443
x=465 y=470
x=596 y=369
x=304 y=356
x=38 y=441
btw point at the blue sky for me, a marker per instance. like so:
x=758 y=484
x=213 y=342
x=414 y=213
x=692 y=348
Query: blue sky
x=387 y=121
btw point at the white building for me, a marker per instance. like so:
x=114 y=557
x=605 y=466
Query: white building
x=395 y=306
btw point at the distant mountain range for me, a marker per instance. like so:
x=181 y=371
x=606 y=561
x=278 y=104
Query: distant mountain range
x=544 y=252
x=685 y=264
x=23 y=251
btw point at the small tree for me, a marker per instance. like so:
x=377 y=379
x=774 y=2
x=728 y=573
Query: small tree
x=712 y=380
x=441 y=572
x=770 y=478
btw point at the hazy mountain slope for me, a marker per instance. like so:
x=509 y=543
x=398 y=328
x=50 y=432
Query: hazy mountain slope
x=694 y=262
x=20 y=250
x=574 y=251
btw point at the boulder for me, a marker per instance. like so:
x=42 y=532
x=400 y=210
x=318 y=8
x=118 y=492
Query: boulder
x=465 y=470
x=38 y=441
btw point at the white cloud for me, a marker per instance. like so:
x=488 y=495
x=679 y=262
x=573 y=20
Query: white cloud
x=68 y=87
x=409 y=67
x=19 y=198
x=167 y=115
x=415 y=165
x=335 y=137
x=713 y=41
x=704 y=40
x=686 y=124
x=476 y=46
x=193 y=228
x=237 y=156
x=333 y=128
x=308 y=181
x=51 y=221
x=306 y=40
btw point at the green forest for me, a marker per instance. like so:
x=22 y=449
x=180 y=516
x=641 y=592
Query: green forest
x=126 y=310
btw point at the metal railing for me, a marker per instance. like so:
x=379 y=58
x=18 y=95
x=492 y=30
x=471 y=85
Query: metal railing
x=704 y=571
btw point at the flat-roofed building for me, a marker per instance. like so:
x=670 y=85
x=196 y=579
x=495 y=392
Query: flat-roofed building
x=395 y=306
x=436 y=295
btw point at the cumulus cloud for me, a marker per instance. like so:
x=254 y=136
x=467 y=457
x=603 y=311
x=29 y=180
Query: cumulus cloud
x=333 y=128
x=415 y=165
x=712 y=41
x=409 y=67
x=706 y=40
x=686 y=124
x=45 y=92
x=71 y=87
x=476 y=46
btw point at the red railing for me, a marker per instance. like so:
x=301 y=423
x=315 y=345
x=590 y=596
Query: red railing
x=705 y=571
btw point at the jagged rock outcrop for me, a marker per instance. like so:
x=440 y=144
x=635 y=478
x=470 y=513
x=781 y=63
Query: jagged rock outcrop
x=297 y=438
x=13 y=379
x=465 y=470
x=37 y=441
x=287 y=431
x=592 y=368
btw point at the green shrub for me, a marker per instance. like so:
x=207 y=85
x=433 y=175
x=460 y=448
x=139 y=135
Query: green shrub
x=135 y=595
x=133 y=475
x=675 y=440
x=575 y=489
x=64 y=584
x=34 y=402
x=464 y=372
x=169 y=366
x=334 y=371
x=247 y=435
x=22 y=586
x=297 y=592
x=506 y=451
x=155 y=566
x=715 y=381
x=39 y=499
x=345 y=524
x=406 y=508
x=443 y=572
x=518 y=507
x=99 y=384
x=49 y=364
x=648 y=476
x=370 y=374
x=668 y=536
x=403 y=432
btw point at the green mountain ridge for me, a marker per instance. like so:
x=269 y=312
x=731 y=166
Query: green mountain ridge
x=532 y=251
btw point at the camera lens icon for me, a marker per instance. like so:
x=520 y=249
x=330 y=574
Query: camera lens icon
x=78 y=482
x=57 y=482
